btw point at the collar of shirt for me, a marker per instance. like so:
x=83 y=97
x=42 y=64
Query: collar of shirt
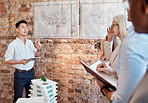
x=18 y=39
x=130 y=28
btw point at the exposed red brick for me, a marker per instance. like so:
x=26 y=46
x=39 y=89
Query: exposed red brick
x=9 y=84
x=5 y=100
x=3 y=11
x=85 y=100
x=50 y=56
x=10 y=92
x=30 y=23
x=7 y=37
x=2 y=7
x=1 y=91
x=5 y=80
x=23 y=5
x=24 y=9
x=78 y=90
x=70 y=90
x=2 y=3
x=4 y=46
x=71 y=98
x=5 y=71
x=71 y=81
x=12 y=15
x=3 y=15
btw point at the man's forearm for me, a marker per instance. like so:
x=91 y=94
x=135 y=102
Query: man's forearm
x=12 y=62
x=23 y=61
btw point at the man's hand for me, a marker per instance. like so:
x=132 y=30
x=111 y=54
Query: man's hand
x=24 y=61
x=38 y=45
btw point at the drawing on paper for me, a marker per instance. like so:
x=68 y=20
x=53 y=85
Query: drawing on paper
x=97 y=17
x=55 y=20
x=58 y=19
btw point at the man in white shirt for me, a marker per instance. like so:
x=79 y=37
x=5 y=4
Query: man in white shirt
x=17 y=54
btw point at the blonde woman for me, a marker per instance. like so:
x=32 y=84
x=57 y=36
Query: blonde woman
x=116 y=31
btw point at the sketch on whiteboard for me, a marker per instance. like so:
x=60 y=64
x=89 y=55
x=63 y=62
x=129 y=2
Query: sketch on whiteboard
x=97 y=17
x=54 y=20
x=57 y=19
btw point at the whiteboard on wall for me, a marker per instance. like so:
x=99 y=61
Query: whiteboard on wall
x=56 y=19
x=101 y=1
x=97 y=17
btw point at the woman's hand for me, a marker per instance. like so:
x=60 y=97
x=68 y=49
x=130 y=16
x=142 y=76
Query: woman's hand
x=105 y=68
x=100 y=83
x=101 y=65
x=106 y=71
x=110 y=34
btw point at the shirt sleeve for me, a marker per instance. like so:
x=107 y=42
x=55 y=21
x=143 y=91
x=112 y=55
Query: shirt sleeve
x=107 y=50
x=33 y=47
x=132 y=69
x=9 y=54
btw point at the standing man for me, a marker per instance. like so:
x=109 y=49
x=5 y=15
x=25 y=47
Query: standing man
x=17 y=54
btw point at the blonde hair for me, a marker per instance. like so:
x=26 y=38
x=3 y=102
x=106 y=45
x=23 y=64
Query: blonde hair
x=121 y=20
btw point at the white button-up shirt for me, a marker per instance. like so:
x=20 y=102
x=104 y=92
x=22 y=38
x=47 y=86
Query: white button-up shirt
x=17 y=50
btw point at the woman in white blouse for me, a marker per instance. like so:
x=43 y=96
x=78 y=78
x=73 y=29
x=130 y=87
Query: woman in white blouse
x=117 y=32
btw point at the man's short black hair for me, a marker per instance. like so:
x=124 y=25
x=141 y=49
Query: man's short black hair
x=129 y=1
x=19 y=22
x=146 y=1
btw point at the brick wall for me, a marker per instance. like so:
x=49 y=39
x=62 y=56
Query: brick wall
x=60 y=61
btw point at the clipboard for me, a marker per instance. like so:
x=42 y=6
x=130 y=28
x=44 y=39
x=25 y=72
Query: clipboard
x=34 y=58
x=108 y=80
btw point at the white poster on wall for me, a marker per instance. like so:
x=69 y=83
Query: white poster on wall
x=97 y=17
x=56 y=19
x=101 y=1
